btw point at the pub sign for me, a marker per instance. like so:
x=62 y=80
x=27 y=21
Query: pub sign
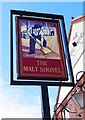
x=40 y=53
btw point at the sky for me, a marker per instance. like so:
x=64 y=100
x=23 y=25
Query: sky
x=25 y=101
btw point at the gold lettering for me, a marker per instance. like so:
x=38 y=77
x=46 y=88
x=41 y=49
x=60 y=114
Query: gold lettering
x=41 y=69
x=30 y=69
x=25 y=68
x=50 y=70
x=41 y=63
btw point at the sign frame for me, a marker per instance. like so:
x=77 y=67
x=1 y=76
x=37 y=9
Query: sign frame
x=22 y=80
x=39 y=63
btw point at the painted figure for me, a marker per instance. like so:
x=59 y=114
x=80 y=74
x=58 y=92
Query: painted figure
x=37 y=33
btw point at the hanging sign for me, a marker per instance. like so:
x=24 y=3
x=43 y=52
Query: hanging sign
x=40 y=53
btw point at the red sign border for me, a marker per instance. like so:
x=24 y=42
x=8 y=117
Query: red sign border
x=19 y=53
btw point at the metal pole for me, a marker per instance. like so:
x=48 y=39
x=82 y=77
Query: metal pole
x=45 y=103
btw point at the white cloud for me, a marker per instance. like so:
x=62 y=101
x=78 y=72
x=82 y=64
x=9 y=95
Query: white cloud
x=13 y=110
x=14 y=104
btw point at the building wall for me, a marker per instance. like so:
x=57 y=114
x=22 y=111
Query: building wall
x=70 y=107
x=77 y=54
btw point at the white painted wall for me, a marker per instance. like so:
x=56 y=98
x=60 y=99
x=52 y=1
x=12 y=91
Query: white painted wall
x=77 y=54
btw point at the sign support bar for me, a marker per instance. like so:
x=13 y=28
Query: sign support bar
x=45 y=103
